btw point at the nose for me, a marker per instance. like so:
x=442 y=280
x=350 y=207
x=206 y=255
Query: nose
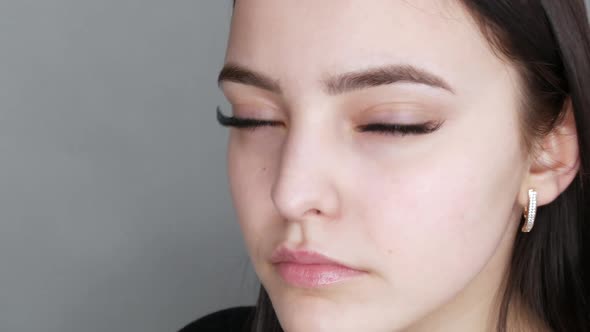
x=305 y=186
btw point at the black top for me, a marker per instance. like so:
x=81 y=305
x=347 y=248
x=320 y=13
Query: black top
x=235 y=319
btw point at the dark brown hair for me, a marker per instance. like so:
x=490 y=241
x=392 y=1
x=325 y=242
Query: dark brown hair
x=548 y=41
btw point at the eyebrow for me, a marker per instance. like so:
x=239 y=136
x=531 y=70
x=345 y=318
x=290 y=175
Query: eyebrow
x=239 y=74
x=339 y=84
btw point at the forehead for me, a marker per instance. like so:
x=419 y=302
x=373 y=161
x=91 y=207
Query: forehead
x=299 y=41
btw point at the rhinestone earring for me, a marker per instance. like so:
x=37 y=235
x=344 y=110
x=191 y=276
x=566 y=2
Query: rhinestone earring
x=530 y=212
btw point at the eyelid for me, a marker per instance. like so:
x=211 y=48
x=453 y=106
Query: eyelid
x=410 y=113
x=402 y=129
x=239 y=122
x=392 y=129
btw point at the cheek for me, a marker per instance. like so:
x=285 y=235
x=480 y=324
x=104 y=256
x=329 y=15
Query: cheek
x=250 y=176
x=444 y=216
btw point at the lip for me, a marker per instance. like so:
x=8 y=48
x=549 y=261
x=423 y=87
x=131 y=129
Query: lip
x=310 y=269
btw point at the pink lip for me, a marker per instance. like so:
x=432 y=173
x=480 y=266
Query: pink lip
x=309 y=269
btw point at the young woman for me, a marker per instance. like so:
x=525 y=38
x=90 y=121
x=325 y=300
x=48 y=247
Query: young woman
x=417 y=165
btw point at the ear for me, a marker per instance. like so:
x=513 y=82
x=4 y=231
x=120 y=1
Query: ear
x=556 y=161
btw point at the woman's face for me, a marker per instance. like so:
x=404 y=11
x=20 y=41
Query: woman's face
x=428 y=217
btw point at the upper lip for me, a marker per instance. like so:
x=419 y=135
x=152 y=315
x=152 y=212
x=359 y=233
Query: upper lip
x=284 y=254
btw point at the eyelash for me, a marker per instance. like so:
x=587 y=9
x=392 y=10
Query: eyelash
x=381 y=128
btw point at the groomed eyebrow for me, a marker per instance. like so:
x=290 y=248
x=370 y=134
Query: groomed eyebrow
x=390 y=74
x=239 y=74
x=339 y=84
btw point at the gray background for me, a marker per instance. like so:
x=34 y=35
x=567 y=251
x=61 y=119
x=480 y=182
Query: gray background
x=114 y=208
x=115 y=212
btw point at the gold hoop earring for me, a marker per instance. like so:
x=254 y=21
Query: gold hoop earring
x=530 y=212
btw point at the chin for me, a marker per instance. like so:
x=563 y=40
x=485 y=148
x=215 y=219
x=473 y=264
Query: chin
x=306 y=320
x=305 y=311
x=317 y=321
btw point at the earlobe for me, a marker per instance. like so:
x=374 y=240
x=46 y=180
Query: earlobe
x=557 y=162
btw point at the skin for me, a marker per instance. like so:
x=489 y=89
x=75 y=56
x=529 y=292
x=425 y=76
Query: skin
x=431 y=218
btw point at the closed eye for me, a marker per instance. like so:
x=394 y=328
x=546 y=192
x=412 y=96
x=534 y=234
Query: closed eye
x=243 y=123
x=401 y=130
x=380 y=128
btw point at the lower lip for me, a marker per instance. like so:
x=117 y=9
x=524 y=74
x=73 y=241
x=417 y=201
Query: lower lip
x=315 y=275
